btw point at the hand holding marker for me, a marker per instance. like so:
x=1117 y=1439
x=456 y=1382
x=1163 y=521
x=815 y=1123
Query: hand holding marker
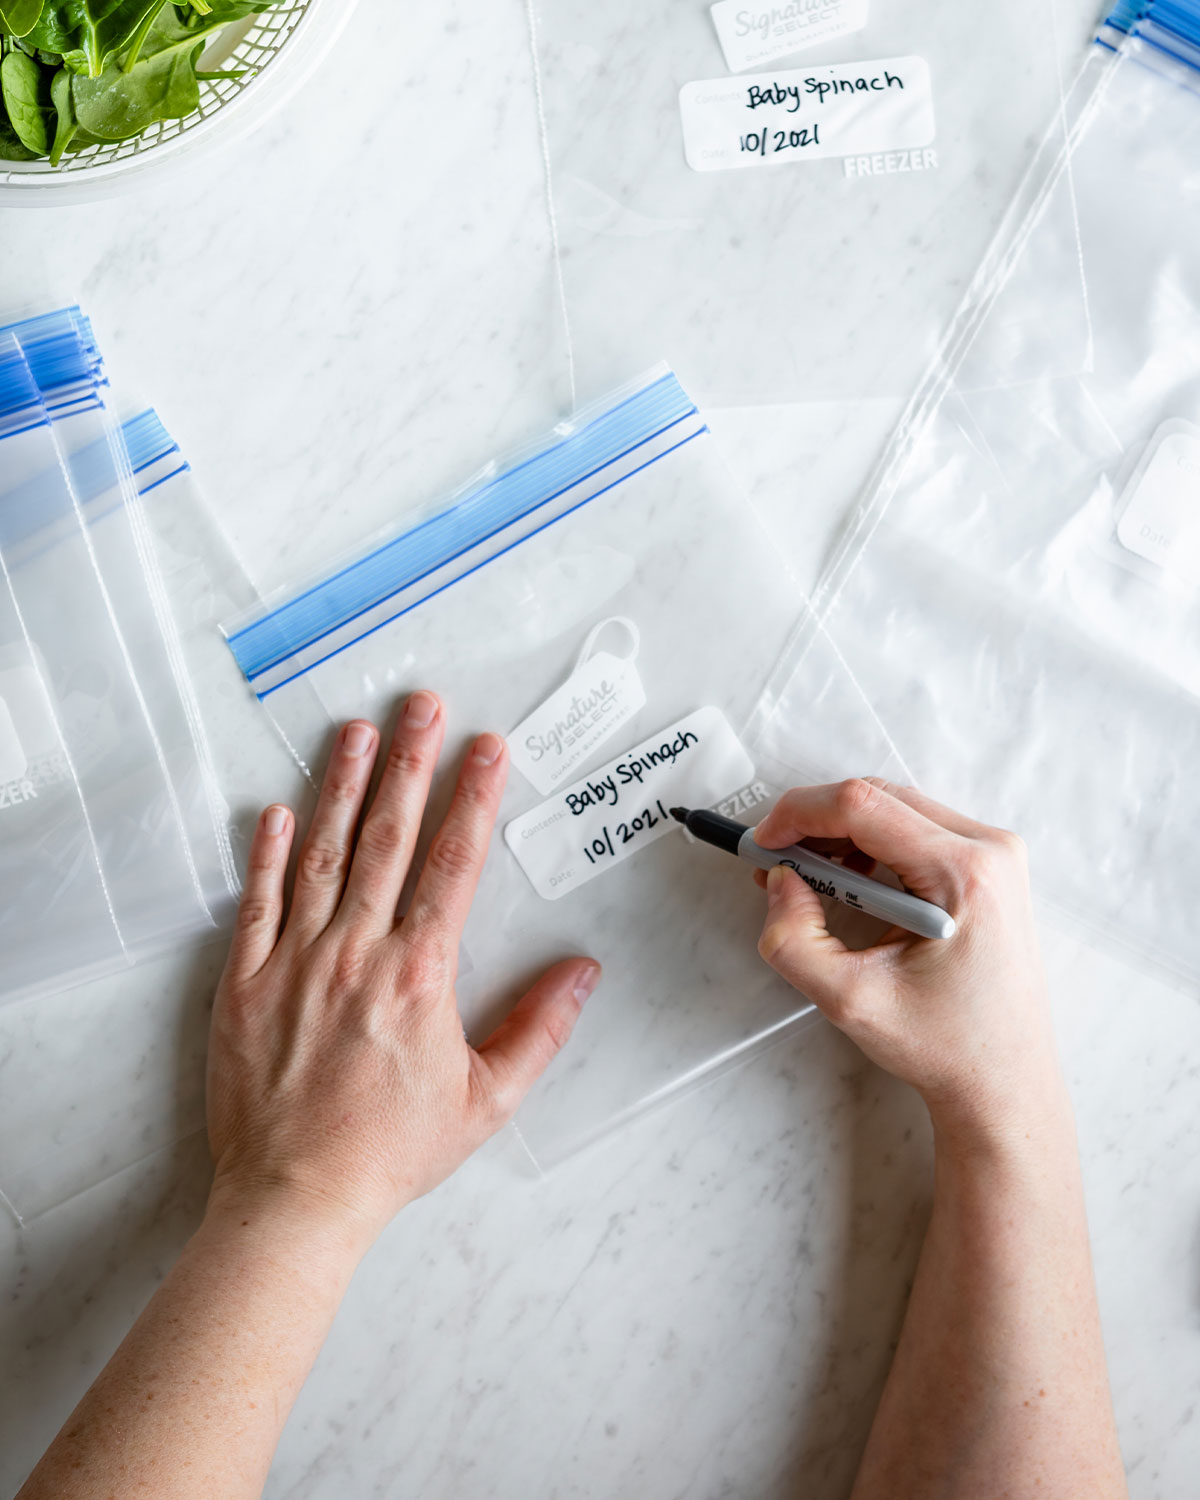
x=825 y=876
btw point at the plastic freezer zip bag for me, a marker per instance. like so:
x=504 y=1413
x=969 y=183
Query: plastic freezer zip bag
x=611 y=602
x=107 y=463
x=813 y=269
x=199 y=581
x=93 y=619
x=1020 y=597
x=158 y=1088
x=115 y=514
x=103 y=464
x=56 y=917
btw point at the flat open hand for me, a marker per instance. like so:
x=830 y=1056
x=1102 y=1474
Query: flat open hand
x=339 y=1082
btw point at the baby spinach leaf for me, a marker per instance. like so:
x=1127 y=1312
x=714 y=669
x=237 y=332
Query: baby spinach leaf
x=162 y=84
x=67 y=126
x=234 y=10
x=11 y=148
x=87 y=33
x=118 y=105
x=26 y=88
x=19 y=17
x=132 y=49
x=53 y=33
x=80 y=141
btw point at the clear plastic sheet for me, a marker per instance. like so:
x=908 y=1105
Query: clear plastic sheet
x=778 y=282
x=84 y=621
x=199 y=581
x=1018 y=596
x=131 y=1101
x=622 y=533
x=50 y=861
x=105 y=464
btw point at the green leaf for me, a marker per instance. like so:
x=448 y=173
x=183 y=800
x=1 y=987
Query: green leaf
x=67 y=125
x=80 y=141
x=25 y=85
x=11 y=148
x=87 y=34
x=161 y=86
x=234 y=10
x=19 y=17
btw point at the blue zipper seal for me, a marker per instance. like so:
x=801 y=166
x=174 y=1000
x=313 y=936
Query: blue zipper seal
x=1170 y=26
x=610 y=434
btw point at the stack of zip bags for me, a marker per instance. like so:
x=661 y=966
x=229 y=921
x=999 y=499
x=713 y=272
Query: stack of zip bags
x=1011 y=619
x=115 y=838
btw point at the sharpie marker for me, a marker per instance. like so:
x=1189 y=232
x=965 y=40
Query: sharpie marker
x=827 y=878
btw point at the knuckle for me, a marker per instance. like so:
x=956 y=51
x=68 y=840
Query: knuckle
x=476 y=787
x=772 y=942
x=255 y=913
x=340 y=786
x=1011 y=844
x=321 y=862
x=991 y=863
x=406 y=757
x=556 y=1028
x=452 y=856
x=855 y=796
x=382 y=835
x=426 y=971
x=346 y=968
x=847 y=1010
x=502 y=1101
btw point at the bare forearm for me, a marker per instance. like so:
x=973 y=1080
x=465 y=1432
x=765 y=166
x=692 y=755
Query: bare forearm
x=193 y=1402
x=999 y=1384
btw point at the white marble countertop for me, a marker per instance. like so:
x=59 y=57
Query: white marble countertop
x=338 y=324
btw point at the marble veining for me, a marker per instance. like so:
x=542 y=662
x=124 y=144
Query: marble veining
x=338 y=323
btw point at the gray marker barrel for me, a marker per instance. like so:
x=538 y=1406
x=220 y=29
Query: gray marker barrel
x=825 y=876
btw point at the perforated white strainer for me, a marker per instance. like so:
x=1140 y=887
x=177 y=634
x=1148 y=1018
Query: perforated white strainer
x=280 y=47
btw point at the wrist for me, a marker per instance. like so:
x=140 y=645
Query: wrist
x=287 y=1225
x=1029 y=1122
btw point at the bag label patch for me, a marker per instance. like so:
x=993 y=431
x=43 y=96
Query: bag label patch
x=601 y=820
x=1160 y=520
x=843 y=109
x=751 y=35
x=603 y=692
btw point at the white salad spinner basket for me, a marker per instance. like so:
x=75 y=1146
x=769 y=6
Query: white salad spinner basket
x=281 y=47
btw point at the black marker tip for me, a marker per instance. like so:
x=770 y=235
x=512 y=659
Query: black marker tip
x=680 y=814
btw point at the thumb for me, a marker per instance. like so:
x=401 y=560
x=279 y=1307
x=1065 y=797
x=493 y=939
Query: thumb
x=522 y=1047
x=796 y=942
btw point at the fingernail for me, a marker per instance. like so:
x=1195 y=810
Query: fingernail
x=488 y=749
x=275 y=819
x=420 y=710
x=358 y=739
x=775 y=879
x=586 y=983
